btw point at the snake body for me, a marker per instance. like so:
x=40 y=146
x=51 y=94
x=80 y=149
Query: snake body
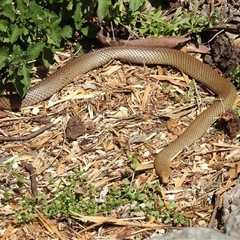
x=211 y=79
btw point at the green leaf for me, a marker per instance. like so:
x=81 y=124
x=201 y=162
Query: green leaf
x=199 y=39
x=172 y=205
x=78 y=17
x=20 y=181
x=16 y=54
x=21 y=6
x=235 y=76
x=54 y=37
x=176 y=15
x=33 y=52
x=8 y=194
x=47 y=56
x=26 y=81
x=136 y=4
x=3 y=57
x=133 y=166
x=125 y=181
x=103 y=7
x=5 y=2
x=70 y=6
x=16 y=32
x=21 y=78
x=8 y=11
x=85 y=31
x=66 y=31
x=3 y=25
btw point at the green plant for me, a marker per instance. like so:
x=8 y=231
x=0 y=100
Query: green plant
x=196 y=22
x=237 y=110
x=28 y=210
x=132 y=161
x=70 y=196
x=8 y=194
x=16 y=181
x=178 y=97
x=235 y=76
x=169 y=215
x=188 y=95
x=87 y=203
x=180 y=219
x=12 y=172
x=135 y=17
x=31 y=30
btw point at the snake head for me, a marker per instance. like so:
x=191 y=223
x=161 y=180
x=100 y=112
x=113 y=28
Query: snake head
x=165 y=177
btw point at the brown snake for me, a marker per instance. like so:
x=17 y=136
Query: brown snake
x=211 y=79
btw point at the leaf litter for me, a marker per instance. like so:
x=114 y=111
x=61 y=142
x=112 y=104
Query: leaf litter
x=117 y=111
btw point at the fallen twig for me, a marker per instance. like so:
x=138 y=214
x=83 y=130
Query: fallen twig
x=30 y=135
x=29 y=168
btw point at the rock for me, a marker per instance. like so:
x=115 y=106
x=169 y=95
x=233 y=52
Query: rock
x=232 y=225
x=232 y=230
x=194 y=234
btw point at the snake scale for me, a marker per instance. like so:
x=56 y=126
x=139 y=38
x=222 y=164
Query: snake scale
x=204 y=74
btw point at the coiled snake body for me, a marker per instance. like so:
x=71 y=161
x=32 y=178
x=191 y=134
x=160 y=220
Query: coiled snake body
x=211 y=79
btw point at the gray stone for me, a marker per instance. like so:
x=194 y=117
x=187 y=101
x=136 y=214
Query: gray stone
x=232 y=229
x=194 y=233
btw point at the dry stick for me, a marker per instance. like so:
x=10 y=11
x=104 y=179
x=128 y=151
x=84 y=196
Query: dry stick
x=216 y=205
x=113 y=221
x=199 y=99
x=29 y=168
x=90 y=227
x=215 y=35
x=29 y=136
x=211 y=6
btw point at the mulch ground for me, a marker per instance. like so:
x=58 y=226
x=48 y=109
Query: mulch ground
x=116 y=111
